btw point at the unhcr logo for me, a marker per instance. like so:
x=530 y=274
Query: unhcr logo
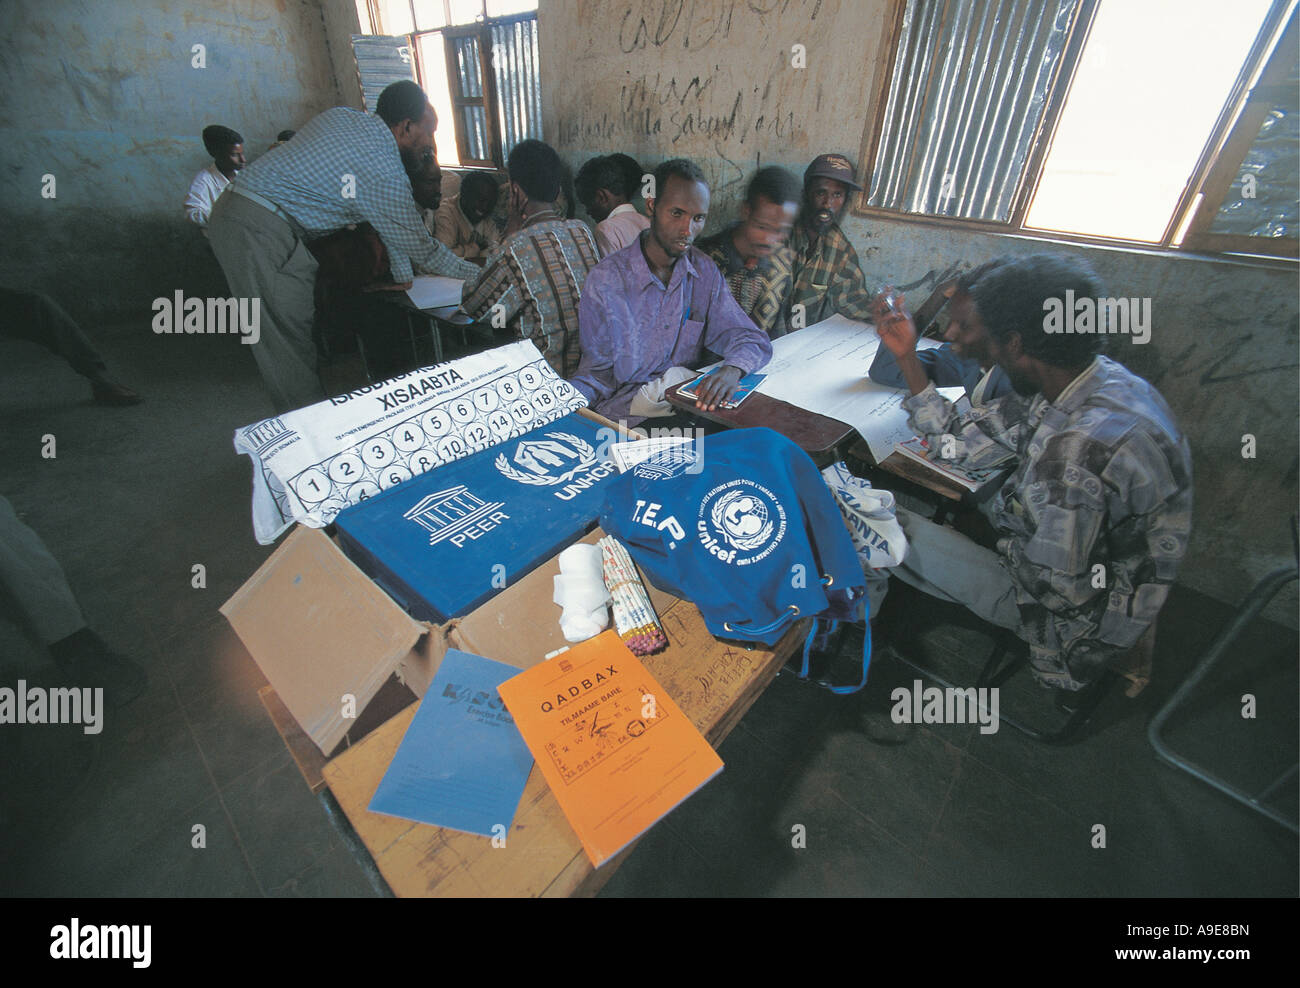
x=559 y=459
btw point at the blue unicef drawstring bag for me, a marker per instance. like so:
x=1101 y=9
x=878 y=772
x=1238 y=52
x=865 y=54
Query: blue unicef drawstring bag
x=742 y=525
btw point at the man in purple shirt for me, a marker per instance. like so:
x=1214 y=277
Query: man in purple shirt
x=660 y=303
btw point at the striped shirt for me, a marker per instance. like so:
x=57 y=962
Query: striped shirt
x=762 y=291
x=344 y=168
x=827 y=276
x=536 y=276
x=1094 y=520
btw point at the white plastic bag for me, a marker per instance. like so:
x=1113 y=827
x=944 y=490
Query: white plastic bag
x=873 y=525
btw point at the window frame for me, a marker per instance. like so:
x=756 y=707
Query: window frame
x=1269 y=42
x=482 y=29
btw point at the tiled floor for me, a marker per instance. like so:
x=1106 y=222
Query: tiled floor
x=136 y=497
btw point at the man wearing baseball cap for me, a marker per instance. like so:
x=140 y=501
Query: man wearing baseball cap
x=827 y=276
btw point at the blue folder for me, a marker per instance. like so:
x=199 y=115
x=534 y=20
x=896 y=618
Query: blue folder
x=462 y=763
x=444 y=542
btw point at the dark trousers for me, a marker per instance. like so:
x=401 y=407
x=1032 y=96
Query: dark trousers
x=39 y=319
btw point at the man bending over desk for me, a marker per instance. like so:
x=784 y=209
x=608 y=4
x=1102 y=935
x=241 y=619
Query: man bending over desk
x=660 y=304
x=343 y=168
x=1092 y=523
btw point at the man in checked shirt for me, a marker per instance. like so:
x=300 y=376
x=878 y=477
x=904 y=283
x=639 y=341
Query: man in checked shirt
x=342 y=168
x=530 y=286
x=1093 y=520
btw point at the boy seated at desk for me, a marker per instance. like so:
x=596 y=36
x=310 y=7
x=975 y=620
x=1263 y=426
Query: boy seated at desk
x=942 y=364
x=658 y=305
x=354 y=266
x=1092 y=523
x=753 y=254
x=827 y=276
x=529 y=287
x=464 y=221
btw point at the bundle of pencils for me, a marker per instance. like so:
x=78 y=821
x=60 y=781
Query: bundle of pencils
x=634 y=617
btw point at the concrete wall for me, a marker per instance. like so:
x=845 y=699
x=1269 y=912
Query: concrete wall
x=103 y=96
x=713 y=81
x=340 y=17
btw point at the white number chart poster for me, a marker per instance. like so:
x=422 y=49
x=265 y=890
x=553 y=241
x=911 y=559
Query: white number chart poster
x=311 y=463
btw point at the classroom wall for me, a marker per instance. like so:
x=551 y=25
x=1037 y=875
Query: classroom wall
x=712 y=80
x=103 y=95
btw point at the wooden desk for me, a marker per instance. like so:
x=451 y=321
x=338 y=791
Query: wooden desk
x=822 y=438
x=436 y=318
x=713 y=682
x=817 y=435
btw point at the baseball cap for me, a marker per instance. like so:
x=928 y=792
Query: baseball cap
x=834 y=166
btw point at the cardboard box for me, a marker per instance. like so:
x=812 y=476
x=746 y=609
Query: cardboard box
x=328 y=639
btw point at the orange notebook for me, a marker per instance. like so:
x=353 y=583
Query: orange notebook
x=615 y=749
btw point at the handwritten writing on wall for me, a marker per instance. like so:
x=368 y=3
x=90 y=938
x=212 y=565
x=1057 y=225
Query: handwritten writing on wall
x=668 y=113
x=694 y=25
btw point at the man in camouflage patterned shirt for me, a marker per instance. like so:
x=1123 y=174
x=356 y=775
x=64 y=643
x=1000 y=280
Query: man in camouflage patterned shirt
x=1096 y=515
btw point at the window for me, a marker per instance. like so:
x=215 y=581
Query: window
x=1065 y=119
x=478 y=62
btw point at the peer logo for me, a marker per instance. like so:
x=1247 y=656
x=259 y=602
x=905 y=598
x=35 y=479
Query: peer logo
x=741 y=516
x=671 y=462
x=566 y=454
x=456 y=516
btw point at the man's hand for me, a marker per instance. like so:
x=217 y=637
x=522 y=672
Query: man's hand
x=897 y=332
x=718 y=387
x=387 y=286
x=894 y=324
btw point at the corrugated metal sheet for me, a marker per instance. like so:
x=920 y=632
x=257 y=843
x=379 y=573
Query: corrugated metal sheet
x=1274 y=161
x=519 y=90
x=968 y=91
x=380 y=62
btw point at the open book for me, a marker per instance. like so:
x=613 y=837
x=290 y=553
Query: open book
x=973 y=480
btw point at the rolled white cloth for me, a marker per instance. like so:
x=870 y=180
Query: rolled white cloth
x=580 y=590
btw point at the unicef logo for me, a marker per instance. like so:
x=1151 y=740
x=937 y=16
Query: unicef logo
x=741 y=522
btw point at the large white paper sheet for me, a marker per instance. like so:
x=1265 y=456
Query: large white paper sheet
x=432 y=291
x=823 y=368
x=311 y=463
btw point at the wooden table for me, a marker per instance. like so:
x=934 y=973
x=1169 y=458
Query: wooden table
x=714 y=683
x=817 y=435
x=822 y=438
x=437 y=319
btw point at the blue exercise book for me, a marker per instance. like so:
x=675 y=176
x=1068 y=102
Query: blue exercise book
x=444 y=542
x=462 y=763
x=743 y=390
